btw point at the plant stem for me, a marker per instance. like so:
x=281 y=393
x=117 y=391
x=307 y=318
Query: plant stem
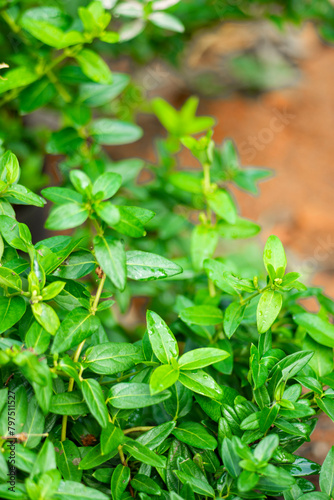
x=78 y=352
x=98 y=295
x=138 y=429
x=244 y=301
x=61 y=89
x=207 y=185
x=120 y=379
x=121 y=455
x=212 y=289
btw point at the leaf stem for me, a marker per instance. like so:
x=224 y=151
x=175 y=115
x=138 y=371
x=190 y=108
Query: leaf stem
x=212 y=289
x=244 y=301
x=138 y=429
x=121 y=455
x=98 y=295
x=206 y=187
x=120 y=379
x=78 y=352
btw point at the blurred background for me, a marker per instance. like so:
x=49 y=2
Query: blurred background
x=272 y=92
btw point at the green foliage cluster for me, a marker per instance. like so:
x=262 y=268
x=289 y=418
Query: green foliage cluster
x=215 y=394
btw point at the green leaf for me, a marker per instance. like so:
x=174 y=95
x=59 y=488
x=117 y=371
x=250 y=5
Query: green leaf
x=65 y=141
x=134 y=395
x=194 y=434
x=163 y=342
x=156 y=436
x=51 y=291
x=201 y=383
x=290 y=428
x=95 y=400
x=320 y=330
x=31 y=368
x=73 y=490
x=34 y=424
x=216 y=272
x=163 y=377
x=110 y=37
x=180 y=402
x=68 y=458
x=111 y=437
x=268 y=309
x=225 y=366
x=95 y=94
x=265 y=449
x=316 y=495
x=242 y=228
x=21 y=409
x=81 y=182
x=247 y=178
x=110 y=255
x=167 y=21
x=9 y=228
x=106 y=185
x=36 y=95
x=75 y=216
x=112 y=357
x=293 y=364
x=268 y=417
x=144 y=454
x=310 y=383
x=233 y=317
x=108 y=213
x=114 y=132
x=186 y=182
x=246 y=285
x=4 y=471
x=9 y=168
x=119 y=481
x=43 y=24
x=231 y=458
x=69 y=403
x=9 y=278
x=67 y=365
x=198 y=486
x=78 y=325
x=247 y=480
x=145 y=266
x=326 y=404
x=202 y=315
x=17 y=77
x=327 y=473
x=94 y=458
x=94 y=66
x=184 y=122
x=223 y=205
x=274 y=255
x=11 y=311
x=145 y=484
x=199 y=358
x=77 y=265
x=132 y=220
x=104 y=475
x=204 y=240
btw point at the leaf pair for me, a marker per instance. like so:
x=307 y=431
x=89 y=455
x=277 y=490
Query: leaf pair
x=166 y=349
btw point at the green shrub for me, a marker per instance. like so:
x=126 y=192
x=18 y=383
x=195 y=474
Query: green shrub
x=215 y=394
